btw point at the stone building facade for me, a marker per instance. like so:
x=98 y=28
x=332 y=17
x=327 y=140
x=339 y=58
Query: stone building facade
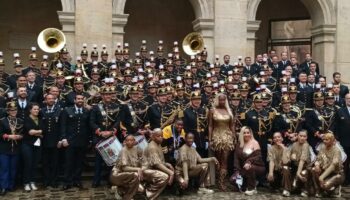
x=233 y=27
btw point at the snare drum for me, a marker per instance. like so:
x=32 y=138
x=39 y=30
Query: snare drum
x=109 y=150
x=141 y=142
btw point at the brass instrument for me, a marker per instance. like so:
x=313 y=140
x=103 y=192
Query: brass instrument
x=193 y=43
x=51 y=40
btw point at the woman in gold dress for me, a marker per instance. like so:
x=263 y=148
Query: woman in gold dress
x=221 y=134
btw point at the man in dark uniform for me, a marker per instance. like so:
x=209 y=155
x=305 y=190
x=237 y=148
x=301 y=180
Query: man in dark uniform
x=316 y=124
x=151 y=93
x=343 y=88
x=195 y=121
x=207 y=95
x=160 y=60
x=138 y=110
x=22 y=103
x=105 y=121
x=62 y=62
x=33 y=60
x=75 y=136
x=293 y=92
x=288 y=122
x=50 y=116
x=12 y=79
x=104 y=65
x=341 y=130
x=161 y=114
x=78 y=89
x=304 y=90
x=180 y=98
x=224 y=68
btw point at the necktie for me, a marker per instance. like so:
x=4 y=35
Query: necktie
x=80 y=111
x=22 y=105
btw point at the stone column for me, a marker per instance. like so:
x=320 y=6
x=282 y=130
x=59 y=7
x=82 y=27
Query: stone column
x=230 y=28
x=206 y=28
x=323 y=48
x=118 y=23
x=93 y=24
x=252 y=27
x=343 y=39
x=67 y=20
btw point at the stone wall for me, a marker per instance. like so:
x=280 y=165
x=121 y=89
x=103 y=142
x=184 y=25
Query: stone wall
x=20 y=23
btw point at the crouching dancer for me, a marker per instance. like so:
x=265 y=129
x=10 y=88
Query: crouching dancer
x=328 y=172
x=191 y=165
x=127 y=173
x=158 y=173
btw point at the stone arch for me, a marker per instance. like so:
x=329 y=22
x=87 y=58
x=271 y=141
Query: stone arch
x=323 y=17
x=321 y=11
x=203 y=8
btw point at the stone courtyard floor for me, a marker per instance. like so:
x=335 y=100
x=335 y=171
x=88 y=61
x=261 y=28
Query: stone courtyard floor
x=106 y=193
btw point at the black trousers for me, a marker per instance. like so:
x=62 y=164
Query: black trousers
x=50 y=165
x=74 y=160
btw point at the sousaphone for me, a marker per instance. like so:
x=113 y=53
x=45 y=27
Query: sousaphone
x=193 y=43
x=51 y=40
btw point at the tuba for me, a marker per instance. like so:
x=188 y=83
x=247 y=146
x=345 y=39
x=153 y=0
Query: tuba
x=51 y=40
x=193 y=43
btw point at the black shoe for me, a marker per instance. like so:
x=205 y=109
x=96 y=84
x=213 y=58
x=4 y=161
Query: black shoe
x=66 y=187
x=95 y=185
x=2 y=192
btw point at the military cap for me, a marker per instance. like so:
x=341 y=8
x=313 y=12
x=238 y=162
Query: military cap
x=292 y=89
x=33 y=56
x=84 y=52
x=78 y=80
x=94 y=52
x=64 y=50
x=235 y=96
x=119 y=50
x=162 y=91
x=169 y=62
x=2 y=63
x=11 y=105
x=59 y=73
x=134 y=90
x=44 y=65
x=207 y=83
x=104 y=51
x=266 y=95
x=126 y=49
x=236 y=71
x=229 y=80
x=265 y=68
x=257 y=98
x=127 y=72
x=137 y=61
x=152 y=84
x=176 y=57
x=107 y=89
x=17 y=63
x=285 y=99
x=179 y=86
x=244 y=87
x=188 y=75
x=204 y=52
x=196 y=95
x=318 y=96
x=283 y=81
x=329 y=95
x=169 y=89
x=160 y=46
x=95 y=70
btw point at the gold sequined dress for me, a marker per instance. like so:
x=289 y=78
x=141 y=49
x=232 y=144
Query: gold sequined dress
x=222 y=139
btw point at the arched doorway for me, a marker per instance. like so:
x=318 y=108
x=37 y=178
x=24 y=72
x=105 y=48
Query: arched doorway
x=285 y=26
x=323 y=29
x=21 y=22
x=154 y=20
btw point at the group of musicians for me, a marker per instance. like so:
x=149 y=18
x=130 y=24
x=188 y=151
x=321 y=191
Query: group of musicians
x=283 y=120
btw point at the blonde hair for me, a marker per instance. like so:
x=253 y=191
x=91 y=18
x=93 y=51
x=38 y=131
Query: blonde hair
x=227 y=107
x=241 y=133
